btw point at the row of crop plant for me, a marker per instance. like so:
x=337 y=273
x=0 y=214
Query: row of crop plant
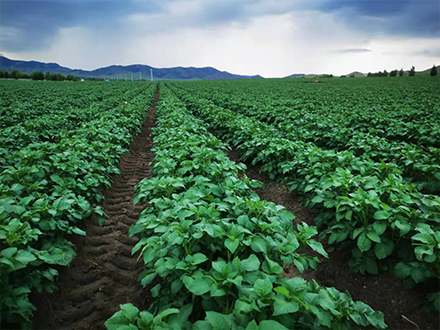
x=50 y=125
x=420 y=164
x=47 y=191
x=363 y=206
x=24 y=100
x=406 y=111
x=214 y=251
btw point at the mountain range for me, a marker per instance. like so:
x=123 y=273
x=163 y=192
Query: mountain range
x=123 y=72
x=143 y=71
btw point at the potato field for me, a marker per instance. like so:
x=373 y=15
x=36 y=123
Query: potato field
x=238 y=204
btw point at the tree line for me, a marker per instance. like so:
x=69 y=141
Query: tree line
x=37 y=75
x=394 y=73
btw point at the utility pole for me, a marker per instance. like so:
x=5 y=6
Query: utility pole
x=151 y=74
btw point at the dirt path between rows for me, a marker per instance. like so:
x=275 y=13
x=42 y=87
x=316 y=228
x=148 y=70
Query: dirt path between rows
x=104 y=274
x=385 y=292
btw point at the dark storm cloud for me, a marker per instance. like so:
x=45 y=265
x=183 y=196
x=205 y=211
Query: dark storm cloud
x=33 y=25
x=412 y=18
x=352 y=50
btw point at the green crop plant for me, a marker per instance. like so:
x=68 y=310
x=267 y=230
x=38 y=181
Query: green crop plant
x=213 y=251
x=53 y=170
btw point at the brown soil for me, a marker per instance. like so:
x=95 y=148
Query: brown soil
x=385 y=292
x=104 y=274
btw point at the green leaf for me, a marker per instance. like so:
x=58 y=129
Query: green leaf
x=403 y=270
x=78 y=231
x=417 y=275
x=317 y=199
x=424 y=238
x=231 y=245
x=55 y=178
x=282 y=306
x=373 y=236
x=259 y=245
x=146 y=320
x=167 y=312
x=403 y=226
x=130 y=312
x=263 y=287
x=25 y=257
x=286 y=216
x=316 y=246
x=363 y=243
x=9 y=252
x=252 y=325
x=419 y=251
x=199 y=258
x=271 y=267
x=379 y=227
x=271 y=325
x=219 y=321
x=117 y=321
x=384 y=249
x=147 y=279
x=250 y=264
x=282 y=290
x=381 y=215
x=198 y=286
x=128 y=327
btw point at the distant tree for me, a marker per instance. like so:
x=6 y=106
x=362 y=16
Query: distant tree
x=343 y=76
x=70 y=77
x=6 y=74
x=385 y=73
x=401 y=72
x=412 y=72
x=352 y=76
x=393 y=73
x=37 y=75
x=47 y=76
x=2 y=75
x=15 y=74
x=57 y=77
x=369 y=74
x=433 y=71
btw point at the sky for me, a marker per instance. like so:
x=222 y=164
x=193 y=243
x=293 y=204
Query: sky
x=273 y=38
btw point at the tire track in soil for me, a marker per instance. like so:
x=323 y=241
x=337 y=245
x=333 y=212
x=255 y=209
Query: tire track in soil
x=383 y=292
x=104 y=273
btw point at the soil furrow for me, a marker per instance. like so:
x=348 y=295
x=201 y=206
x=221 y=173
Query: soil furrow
x=104 y=274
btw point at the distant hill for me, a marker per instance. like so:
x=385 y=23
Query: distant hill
x=295 y=75
x=31 y=66
x=356 y=74
x=119 y=71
